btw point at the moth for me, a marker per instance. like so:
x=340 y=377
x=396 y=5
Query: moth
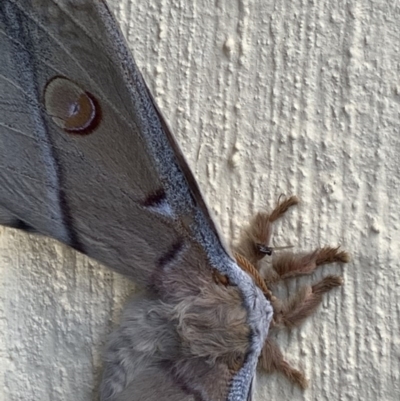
x=88 y=159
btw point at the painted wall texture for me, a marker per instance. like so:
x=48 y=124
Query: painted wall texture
x=266 y=98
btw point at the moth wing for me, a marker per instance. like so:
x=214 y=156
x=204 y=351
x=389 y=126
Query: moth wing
x=118 y=189
x=86 y=157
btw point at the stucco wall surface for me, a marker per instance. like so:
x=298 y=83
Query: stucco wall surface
x=265 y=97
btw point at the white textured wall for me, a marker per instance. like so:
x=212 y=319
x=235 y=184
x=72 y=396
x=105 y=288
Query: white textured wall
x=266 y=97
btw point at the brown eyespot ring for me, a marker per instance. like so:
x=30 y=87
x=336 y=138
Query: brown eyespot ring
x=73 y=109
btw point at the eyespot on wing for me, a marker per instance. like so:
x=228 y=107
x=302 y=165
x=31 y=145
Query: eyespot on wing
x=72 y=108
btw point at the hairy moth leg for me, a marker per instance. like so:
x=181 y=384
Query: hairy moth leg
x=293 y=311
x=272 y=360
x=287 y=265
x=255 y=243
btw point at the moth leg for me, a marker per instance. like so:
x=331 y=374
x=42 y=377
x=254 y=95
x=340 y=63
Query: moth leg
x=271 y=359
x=293 y=311
x=287 y=265
x=255 y=243
x=289 y=313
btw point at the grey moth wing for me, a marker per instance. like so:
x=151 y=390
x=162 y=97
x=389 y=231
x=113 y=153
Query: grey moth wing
x=87 y=158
